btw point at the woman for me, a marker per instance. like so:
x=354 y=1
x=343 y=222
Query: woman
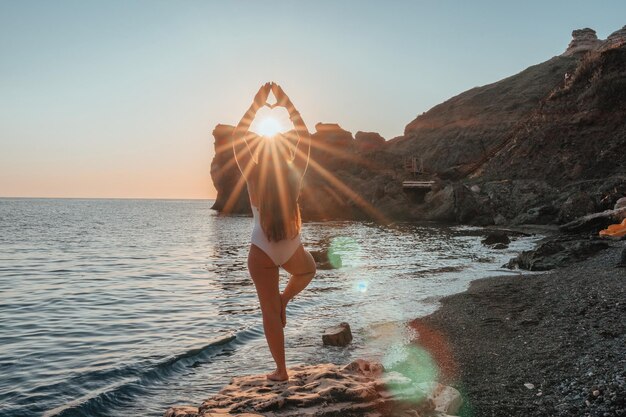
x=273 y=169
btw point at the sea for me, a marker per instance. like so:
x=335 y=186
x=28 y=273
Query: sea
x=127 y=307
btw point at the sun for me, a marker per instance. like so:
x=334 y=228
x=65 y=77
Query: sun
x=269 y=122
x=269 y=126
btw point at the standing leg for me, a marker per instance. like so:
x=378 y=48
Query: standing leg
x=265 y=277
x=302 y=268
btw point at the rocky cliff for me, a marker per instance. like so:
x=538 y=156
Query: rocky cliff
x=542 y=146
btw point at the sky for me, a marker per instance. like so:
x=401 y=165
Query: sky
x=118 y=99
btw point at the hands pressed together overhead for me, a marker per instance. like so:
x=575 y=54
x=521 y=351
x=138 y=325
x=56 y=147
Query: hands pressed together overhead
x=282 y=100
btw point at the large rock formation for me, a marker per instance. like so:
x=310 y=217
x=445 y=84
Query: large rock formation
x=360 y=389
x=542 y=146
x=345 y=178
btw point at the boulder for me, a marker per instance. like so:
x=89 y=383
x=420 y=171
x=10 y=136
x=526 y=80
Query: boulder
x=577 y=205
x=324 y=260
x=544 y=214
x=360 y=388
x=594 y=222
x=337 y=335
x=556 y=252
x=468 y=208
x=495 y=238
x=621 y=203
x=447 y=399
x=439 y=205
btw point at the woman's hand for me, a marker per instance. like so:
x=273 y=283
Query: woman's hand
x=282 y=100
x=260 y=99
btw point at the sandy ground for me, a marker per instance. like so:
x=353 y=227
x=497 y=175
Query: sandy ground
x=551 y=344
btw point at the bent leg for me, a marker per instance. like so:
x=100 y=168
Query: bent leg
x=265 y=277
x=302 y=268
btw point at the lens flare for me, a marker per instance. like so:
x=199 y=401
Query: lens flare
x=411 y=367
x=344 y=252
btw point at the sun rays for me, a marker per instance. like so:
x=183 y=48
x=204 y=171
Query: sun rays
x=270 y=122
x=286 y=146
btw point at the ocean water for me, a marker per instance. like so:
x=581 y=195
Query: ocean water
x=126 y=307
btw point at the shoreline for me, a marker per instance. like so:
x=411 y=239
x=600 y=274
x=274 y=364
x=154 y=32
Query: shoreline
x=551 y=343
x=530 y=344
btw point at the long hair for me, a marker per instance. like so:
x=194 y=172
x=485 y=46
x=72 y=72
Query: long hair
x=278 y=188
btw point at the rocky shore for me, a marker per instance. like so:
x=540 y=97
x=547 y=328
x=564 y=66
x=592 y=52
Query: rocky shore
x=360 y=388
x=550 y=344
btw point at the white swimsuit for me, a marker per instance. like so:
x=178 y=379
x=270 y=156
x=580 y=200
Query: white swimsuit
x=279 y=251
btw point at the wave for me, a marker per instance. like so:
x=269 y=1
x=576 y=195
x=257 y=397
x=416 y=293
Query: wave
x=133 y=380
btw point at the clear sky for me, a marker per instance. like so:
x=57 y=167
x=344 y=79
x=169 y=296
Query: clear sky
x=119 y=98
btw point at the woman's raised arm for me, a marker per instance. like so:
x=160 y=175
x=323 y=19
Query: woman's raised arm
x=303 y=146
x=241 y=145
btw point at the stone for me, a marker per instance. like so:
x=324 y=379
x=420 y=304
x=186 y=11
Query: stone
x=583 y=40
x=495 y=238
x=594 y=222
x=544 y=214
x=324 y=260
x=361 y=388
x=447 y=400
x=337 y=335
x=529 y=385
x=621 y=203
x=500 y=220
x=577 y=205
x=440 y=205
x=556 y=252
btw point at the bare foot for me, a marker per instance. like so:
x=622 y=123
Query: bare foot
x=283 y=310
x=278 y=376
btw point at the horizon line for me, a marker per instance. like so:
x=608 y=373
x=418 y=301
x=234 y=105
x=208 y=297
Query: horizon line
x=99 y=198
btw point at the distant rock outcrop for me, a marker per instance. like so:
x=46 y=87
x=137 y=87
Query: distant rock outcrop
x=359 y=389
x=583 y=40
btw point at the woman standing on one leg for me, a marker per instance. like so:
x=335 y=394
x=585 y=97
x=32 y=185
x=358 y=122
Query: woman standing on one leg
x=273 y=169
